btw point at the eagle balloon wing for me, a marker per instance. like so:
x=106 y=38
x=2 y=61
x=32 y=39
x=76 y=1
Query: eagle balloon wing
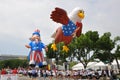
x=60 y=16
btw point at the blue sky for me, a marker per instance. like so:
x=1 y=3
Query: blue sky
x=19 y=19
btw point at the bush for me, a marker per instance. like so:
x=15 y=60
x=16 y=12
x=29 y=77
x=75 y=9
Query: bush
x=13 y=63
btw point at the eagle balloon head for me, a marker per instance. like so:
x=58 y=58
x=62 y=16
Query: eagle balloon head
x=77 y=15
x=81 y=14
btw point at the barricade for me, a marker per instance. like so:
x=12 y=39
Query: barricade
x=9 y=77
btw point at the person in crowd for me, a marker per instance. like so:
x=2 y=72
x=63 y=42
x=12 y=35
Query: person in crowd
x=44 y=74
x=3 y=71
x=8 y=70
x=34 y=74
x=30 y=72
x=14 y=71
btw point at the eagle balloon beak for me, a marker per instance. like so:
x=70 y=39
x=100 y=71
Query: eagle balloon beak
x=81 y=15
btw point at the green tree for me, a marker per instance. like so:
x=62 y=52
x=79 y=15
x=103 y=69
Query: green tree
x=84 y=45
x=71 y=64
x=50 y=53
x=116 y=52
x=103 y=48
x=59 y=54
x=13 y=63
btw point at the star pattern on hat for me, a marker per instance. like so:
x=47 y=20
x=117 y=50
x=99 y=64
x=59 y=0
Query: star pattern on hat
x=69 y=28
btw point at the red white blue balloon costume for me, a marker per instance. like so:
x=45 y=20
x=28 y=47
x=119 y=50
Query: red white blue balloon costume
x=36 y=56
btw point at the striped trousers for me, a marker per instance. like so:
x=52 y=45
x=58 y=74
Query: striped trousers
x=36 y=56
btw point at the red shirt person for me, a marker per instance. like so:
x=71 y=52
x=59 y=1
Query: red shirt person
x=3 y=71
x=14 y=71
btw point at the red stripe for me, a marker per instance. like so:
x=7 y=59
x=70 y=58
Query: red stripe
x=37 y=56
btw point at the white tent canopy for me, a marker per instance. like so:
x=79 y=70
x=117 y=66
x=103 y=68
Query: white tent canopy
x=78 y=66
x=100 y=65
x=114 y=64
x=91 y=65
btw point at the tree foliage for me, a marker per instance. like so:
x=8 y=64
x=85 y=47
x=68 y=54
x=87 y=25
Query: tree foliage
x=13 y=63
x=104 y=46
x=59 y=54
x=116 y=52
x=84 y=45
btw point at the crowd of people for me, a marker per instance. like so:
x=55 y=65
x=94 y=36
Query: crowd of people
x=62 y=74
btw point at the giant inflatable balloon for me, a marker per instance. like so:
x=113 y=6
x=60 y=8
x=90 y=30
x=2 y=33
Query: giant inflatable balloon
x=71 y=25
x=36 y=56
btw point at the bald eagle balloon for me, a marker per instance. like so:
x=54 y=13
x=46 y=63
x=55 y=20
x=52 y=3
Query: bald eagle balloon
x=36 y=56
x=71 y=25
